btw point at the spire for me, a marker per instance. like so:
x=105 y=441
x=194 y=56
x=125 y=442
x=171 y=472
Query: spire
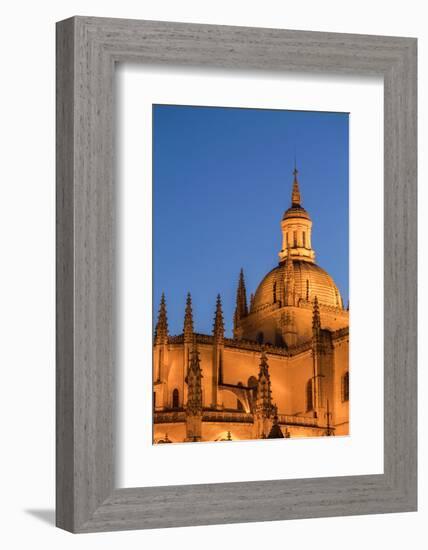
x=161 y=330
x=316 y=319
x=295 y=195
x=194 y=384
x=241 y=296
x=188 y=320
x=241 y=309
x=264 y=409
x=264 y=392
x=218 y=330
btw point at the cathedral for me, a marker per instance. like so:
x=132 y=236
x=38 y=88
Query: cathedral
x=285 y=372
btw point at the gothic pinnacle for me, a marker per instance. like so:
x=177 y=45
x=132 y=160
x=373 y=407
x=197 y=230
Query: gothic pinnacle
x=241 y=298
x=161 y=330
x=194 y=385
x=188 y=320
x=194 y=356
x=241 y=309
x=218 y=321
x=264 y=392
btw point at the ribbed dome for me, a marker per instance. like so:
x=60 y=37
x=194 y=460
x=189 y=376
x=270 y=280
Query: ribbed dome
x=296 y=212
x=310 y=281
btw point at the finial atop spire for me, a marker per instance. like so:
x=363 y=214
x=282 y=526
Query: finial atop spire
x=188 y=320
x=161 y=330
x=295 y=195
x=218 y=321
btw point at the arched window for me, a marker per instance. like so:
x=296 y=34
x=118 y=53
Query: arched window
x=304 y=239
x=295 y=238
x=154 y=400
x=274 y=293
x=345 y=387
x=260 y=337
x=175 y=399
x=309 y=399
x=287 y=239
x=307 y=290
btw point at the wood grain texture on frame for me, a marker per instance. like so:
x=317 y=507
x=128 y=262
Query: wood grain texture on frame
x=87 y=50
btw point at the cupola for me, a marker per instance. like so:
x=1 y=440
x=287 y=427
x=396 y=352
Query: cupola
x=296 y=226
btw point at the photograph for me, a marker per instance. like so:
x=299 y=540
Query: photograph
x=250 y=274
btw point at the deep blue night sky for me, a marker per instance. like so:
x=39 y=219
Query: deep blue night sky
x=222 y=179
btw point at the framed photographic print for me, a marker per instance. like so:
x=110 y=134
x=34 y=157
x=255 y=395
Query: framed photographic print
x=236 y=274
x=260 y=371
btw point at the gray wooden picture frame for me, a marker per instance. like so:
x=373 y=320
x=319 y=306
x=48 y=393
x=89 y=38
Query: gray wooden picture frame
x=87 y=51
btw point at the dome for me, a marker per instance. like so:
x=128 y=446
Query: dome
x=310 y=281
x=296 y=211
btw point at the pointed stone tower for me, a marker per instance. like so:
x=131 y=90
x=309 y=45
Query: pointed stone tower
x=264 y=409
x=320 y=348
x=316 y=360
x=218 y=350
x=188 y=337
x=241 y=309
x=323 y=367
x=160 y=356
x=194 y=397
x=161 y=330
x=218 y=328
x=188 y=320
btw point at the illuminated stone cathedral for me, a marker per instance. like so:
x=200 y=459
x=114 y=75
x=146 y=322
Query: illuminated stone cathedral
x=285 y=372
